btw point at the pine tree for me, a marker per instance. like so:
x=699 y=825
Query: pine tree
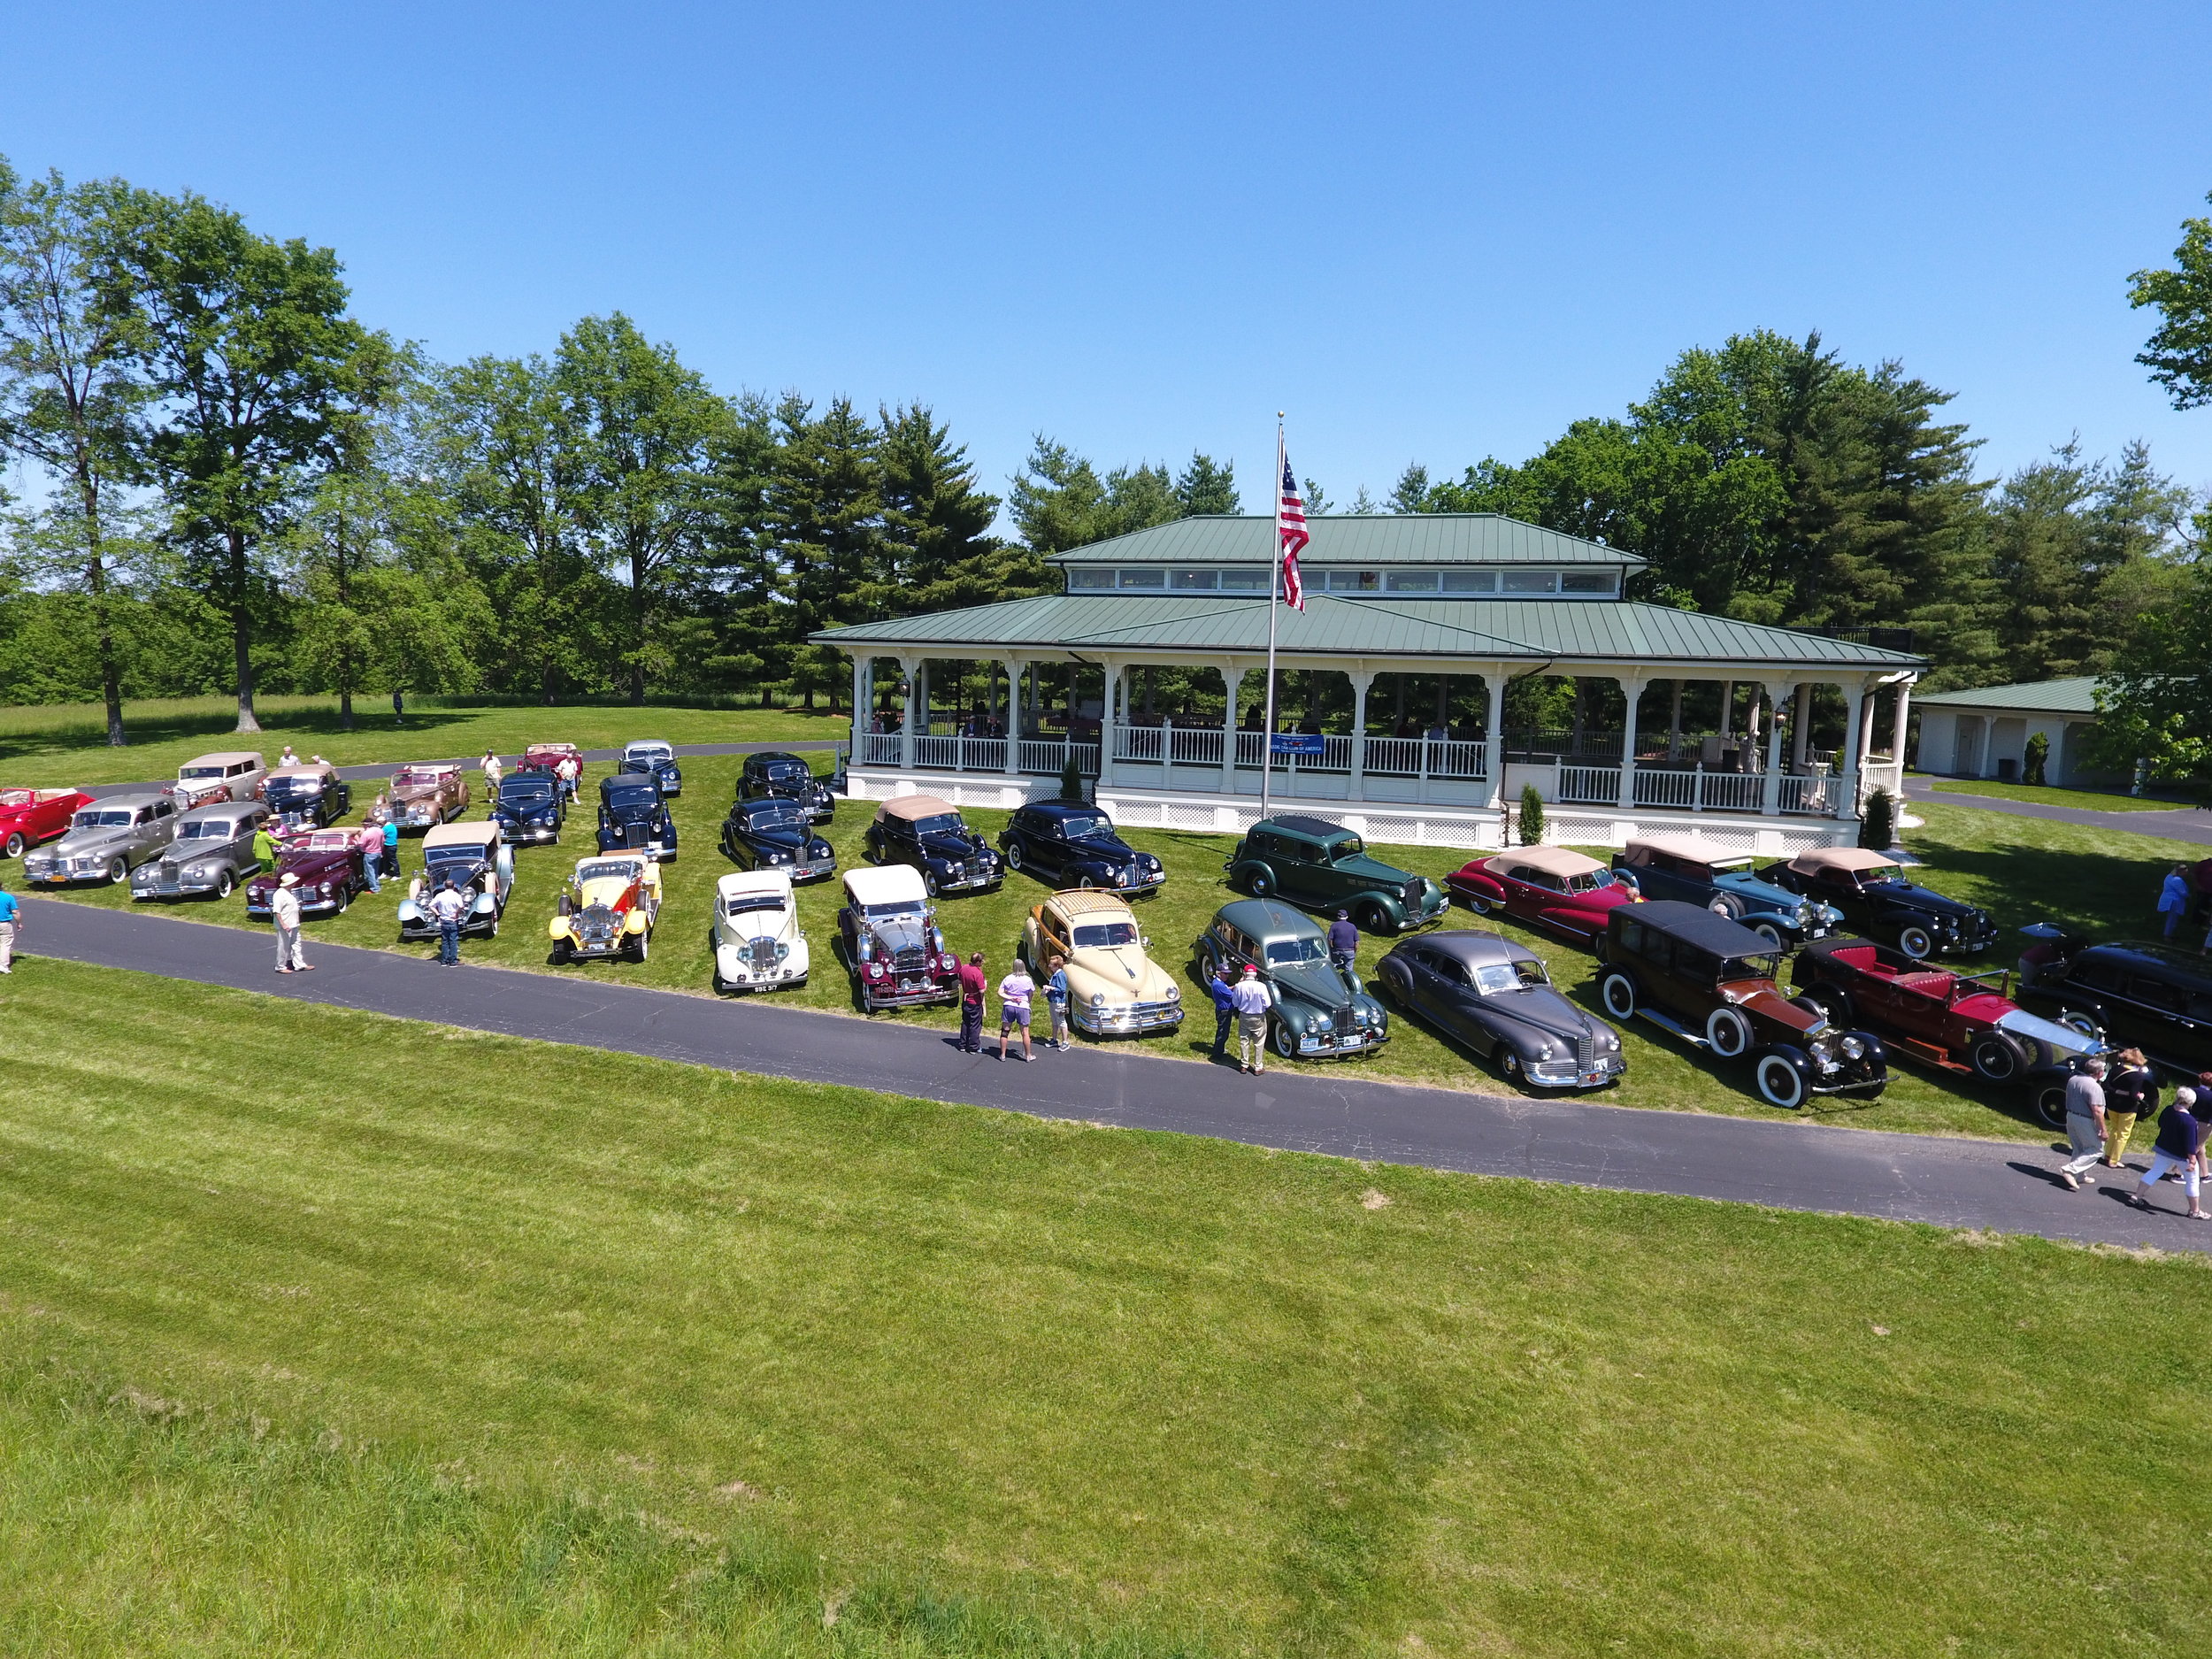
x=823 y=509
x=1204 y=487
x=939 y=551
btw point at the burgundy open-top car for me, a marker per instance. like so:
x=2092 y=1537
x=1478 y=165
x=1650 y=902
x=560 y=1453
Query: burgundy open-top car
x=330 y=868
x=1548 y=887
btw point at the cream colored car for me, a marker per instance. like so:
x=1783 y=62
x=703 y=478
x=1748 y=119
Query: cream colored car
x=1114 y=989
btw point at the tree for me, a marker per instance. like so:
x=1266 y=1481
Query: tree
x=68 y=390
x=2179 y=353
x=641 y=429
x=1204 y=487
x=938 y=553
x=1058 y=500
x=823 y=509
x=256 y=372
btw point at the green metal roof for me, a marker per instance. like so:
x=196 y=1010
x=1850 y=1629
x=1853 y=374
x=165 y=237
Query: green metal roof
x=2043 y=696
x=1413 y=538
x=1215 y=625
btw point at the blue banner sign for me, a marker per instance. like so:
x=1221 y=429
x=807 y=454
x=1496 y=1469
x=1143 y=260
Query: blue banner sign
x=1297 y=743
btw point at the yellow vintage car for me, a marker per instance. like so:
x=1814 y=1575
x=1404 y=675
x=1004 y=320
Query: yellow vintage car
x=1114 y=989
x=609 y=910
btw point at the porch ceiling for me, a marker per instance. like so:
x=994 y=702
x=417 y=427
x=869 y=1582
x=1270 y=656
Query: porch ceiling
x=1213 y=625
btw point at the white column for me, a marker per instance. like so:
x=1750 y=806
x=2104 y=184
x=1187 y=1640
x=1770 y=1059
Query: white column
x=1849 y=762
x=1771 y=791
x=1800 y=724
x=1232 y=678
x=1360 y=683
x=1633 y=693
x=1674 y=724
x=910 y=669
x=1013 y=716
x=1897 y=742
x=1727 y=710
x=860 y=707
x=1493 y=678
x=1109 y=720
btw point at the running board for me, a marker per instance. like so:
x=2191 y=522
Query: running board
x=1674 y=1026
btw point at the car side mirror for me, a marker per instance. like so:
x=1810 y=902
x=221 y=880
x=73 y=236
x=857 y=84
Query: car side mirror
x=1145 y=939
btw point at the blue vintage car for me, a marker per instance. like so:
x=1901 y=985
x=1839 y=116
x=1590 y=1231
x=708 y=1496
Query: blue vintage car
x=1697 y=873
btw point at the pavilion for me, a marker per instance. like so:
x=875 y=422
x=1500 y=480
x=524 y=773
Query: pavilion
x=1422 y=607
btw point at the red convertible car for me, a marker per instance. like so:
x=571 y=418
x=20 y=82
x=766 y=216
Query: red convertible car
x=28 y=816
x=1548 y=887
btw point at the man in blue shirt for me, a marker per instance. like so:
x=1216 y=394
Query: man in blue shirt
x=1056 y=1003
x=10 y=919
x=1225 y=1011
x=391 y=845
x=1343 y=942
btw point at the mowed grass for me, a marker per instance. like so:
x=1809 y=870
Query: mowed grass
x=326 y=1330
x=2044 y=795
x=2099 y=881
x=48 y=748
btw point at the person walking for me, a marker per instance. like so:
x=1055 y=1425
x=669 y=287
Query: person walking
x=1056 y=1003
x=1343 y=941
x=264 y=845
x=1014 y=992
x=493 y=771
x=568 y=770
x=2131 y=1094
x=2173 y=899
x=2180 y=1145
x=11 y=923
x=446 y=908
x=973 y=986
x=284 y=911
x=1251 y=1002
x=1225 y=1009
x=289 y=758
x=2085 y=1122
x=391 y=844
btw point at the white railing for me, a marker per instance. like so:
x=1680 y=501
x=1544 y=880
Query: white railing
x=1144 y=744
x=940 y=754
x=1809 y=796
x=1589 y=785
x=1733 y=791
x=1193 y=747
x=1884 y=774
x=1250 y=747
x=882 y=749
x=1663 y=788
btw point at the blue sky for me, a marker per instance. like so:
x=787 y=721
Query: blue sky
x=1430 y=232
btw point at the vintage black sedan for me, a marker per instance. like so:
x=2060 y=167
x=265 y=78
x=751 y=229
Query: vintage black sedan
x=530 y=808
x=776 y=775
x=1494 y=997
x=634 y=818
x=930 y=834
x=1317 y=1010
x=658 y=760
x=1874 y=894
x=773 y=833
x=1070 y=844
x=309 y=795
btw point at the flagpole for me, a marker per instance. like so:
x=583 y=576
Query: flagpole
x=1274 y=597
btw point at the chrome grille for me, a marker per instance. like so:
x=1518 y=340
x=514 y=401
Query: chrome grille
x=763 y=952
x=1586 y=1052
x=910 y=961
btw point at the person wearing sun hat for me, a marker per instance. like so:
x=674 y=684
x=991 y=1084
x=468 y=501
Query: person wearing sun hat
x=284 y=911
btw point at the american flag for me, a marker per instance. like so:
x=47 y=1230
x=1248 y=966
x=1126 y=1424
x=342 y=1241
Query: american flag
x=1290 y=531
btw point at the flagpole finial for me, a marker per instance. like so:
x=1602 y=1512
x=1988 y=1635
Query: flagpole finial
x=1279 y=414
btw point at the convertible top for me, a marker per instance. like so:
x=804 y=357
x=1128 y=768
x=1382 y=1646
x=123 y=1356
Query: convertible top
x=914 y=806
x=479 y=832
x=1696 y=848
x=1697 y=925
x=1553 y=861
x=738 y=883
x=1087 y=902
x=223 y=757
x=1815 y=860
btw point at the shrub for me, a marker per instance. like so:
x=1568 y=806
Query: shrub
x=1532 y=825
x=1878 y=827
x=1071 y=777
x=2038 y=754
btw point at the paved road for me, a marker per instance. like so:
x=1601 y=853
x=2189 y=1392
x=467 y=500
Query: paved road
x=2182 y=823
x=1790 y=1163
x=385 y=768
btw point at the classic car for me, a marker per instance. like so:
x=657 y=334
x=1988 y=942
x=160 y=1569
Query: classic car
x=1552 y=888
x=529 y=807
x=230 y=774
x=1711 y=981
x=1960 y=1023
x=309 y=793
x=1698 y=872
x=657 y=758
x=1114 y=989
x=106 y=841
x=547 y=756
x=609 y=909
x=2134 y=995
x=893 y=944
x=1873 y=894
x=429 y=793
x=1317 y=1011
x=1496 y=997
x=473 y=856
x=212 y=852
x=787 y=777
x=1072 y=844
x=929 y=835
x=773 y=833
x=331 y=868
x=634 y=818
x=758 y=944
x=1322 y=865
x=28 y=816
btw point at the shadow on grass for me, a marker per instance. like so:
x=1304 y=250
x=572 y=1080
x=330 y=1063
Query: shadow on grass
x=314 y=722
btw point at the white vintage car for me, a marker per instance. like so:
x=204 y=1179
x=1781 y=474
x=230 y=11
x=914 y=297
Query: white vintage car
x=758 y=944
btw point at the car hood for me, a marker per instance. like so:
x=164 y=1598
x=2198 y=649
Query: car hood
x=518 y=808
x=794 y=840
x=1922 y=898
x=313 y=867
x=895 y=933
x=953 y=847
x=1545 y=1009
x=1123 y=970
x=1315 y=982
x=1108 y=849
x=607 y=890
x=414 y=791
x=1762 y=998
x=1762 y=893
x=1374 y=870
x=629 y=812
x=2059 y=1040
x=94 y=840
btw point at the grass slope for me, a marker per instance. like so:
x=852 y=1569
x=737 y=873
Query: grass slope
x=2022 y=869
x=45 y=748
x=392 y=1362
x=2044 y=794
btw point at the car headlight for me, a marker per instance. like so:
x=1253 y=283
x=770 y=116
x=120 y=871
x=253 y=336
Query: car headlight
x=1322 y=1022
x=1098 y=999
x=1853 y=1049
x=1174 y=992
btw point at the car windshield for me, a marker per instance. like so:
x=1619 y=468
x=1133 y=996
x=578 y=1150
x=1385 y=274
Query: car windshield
x=521 y=791
x=630 y=795
x=894 y=907
x=648 y=754
x=416 y=777
x=460 y=858
x=1508 y=976
x=1590 y=881
x=1077 y=829
x=788 y=771
x=281 y=788
x=1288 y=953
x=774 y=815
x=96 y=819
x=608 y=869
x=1748 y=967
x=1888 y=876
x=207 y=830
x=745 y=901
x=1350 y=847
x=189 y=772
x=15 y=797
x=942 y=824
x=327 y=841
x=1105 y=935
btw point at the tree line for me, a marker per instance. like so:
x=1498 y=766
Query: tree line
x=228 y=481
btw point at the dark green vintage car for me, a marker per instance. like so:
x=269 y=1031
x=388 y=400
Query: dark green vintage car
x=1318 y=1012
x=1325 y=866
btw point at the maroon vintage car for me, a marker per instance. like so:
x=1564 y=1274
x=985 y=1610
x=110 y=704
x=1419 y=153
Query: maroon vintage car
x=330 y=868
x=1548 y=887
x=28 y=816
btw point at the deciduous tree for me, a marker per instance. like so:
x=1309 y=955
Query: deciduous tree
x=2179 y=353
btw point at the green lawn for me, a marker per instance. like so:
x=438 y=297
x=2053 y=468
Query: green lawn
x=323 y=1331
x=46 y=747
x=2040 y=794
x=2098 y=880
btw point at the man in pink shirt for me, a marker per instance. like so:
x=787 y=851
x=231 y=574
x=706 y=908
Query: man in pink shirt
x=973 y=986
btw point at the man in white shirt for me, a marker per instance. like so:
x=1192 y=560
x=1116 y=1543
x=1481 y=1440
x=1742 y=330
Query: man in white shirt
x=493 y=771
x=1249 y=997
x=284 y=910
x=2085 y=1122
x=448 y=905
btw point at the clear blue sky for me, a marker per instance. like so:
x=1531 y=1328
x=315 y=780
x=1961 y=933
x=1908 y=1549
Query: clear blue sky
x=1430 y=233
